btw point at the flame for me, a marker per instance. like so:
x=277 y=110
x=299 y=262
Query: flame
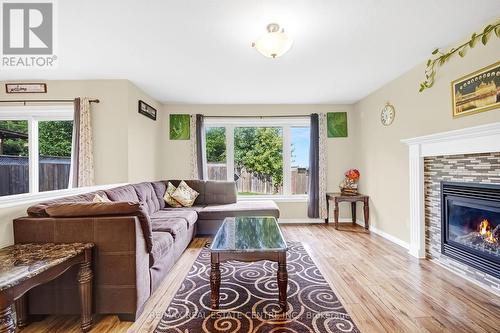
x=485 y=231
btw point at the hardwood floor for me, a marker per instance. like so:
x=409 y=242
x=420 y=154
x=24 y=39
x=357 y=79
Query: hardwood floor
x=380 y=285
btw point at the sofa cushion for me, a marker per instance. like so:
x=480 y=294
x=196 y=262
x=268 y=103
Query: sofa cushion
x=160 y=188
x=169 y=200
x=147 y=197
x=189 y=215
x=192 y=208
x=100 y=198
x=240 y=208
x=163 y=242
x=38 y=210
x=184 y=194
x=122 y=193
x=197 y=185
x=220 y=192
x=176 y=226
x=80 y=209
x=89 y=209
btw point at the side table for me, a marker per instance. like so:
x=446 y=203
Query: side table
x=338 y=197
x=25 y=266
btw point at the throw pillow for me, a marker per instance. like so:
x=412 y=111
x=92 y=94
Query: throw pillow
x=185 y=195
x=168 y=196
x=100 y=198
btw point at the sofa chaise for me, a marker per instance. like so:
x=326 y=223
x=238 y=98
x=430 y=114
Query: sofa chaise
x=137 y=237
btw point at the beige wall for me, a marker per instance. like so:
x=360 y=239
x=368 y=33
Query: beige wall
x=383 y=159
x=126 y=144
x=341 y=152
x=108 y=120
x=144 y=142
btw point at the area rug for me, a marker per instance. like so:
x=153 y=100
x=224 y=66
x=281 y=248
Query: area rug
x=249 y=299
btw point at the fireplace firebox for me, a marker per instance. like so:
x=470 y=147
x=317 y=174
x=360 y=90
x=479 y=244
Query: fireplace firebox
x=470 y=224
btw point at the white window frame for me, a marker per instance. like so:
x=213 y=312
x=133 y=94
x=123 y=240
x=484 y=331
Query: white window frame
x=33 y=115
x=230 y=123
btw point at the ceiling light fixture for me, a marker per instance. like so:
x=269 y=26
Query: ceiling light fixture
x=274 y=43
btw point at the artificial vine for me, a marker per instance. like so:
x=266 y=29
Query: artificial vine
x=441 y=58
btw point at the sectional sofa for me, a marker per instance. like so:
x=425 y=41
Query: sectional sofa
x=138 y=239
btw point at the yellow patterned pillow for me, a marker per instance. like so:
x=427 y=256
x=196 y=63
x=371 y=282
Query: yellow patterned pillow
x=100 y=198
x=168 y=196
x=185 y=194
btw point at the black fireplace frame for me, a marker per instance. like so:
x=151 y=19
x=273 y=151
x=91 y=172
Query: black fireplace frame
x=475 y=194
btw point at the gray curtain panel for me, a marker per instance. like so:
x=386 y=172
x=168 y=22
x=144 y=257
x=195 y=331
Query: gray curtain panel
x=200 y=144
x=313 y=188
x=75 y=151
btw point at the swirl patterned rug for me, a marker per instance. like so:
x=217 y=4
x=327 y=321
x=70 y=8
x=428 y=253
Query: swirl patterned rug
x=249 y=299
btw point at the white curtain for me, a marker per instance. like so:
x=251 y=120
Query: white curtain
x=193 y=168
x=323 y=213
x=82 y=159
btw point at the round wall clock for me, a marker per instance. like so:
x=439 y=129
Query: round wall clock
x=387 y=115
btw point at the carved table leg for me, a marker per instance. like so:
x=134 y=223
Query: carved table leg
x=336 y=214
x=85 y=286
x=6 y=321
x=22 y=311
x=282 y=281
x=366 y=211
x=214 y=281
x=353 y=211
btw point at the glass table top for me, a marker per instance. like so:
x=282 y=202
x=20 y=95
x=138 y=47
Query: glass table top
x=249 y=234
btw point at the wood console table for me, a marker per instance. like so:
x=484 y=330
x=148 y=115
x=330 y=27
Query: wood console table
x=25 y=266
x=338 y=197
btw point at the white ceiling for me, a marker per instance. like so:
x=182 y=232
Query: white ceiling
x=198 y=51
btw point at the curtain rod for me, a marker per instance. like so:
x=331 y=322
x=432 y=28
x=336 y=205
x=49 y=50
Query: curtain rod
x=276 y=116
x=44 y=101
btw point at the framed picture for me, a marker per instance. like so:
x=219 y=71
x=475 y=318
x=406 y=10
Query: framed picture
x=179 y=127
x=476 y=92
x=26 y=88
x=147 y=110
x=336 y=124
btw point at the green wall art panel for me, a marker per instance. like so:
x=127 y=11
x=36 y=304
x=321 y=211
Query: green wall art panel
x=336 y=124
x=179 y=127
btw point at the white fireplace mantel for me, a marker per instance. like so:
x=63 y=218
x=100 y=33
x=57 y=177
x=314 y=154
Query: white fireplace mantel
x=471 y=140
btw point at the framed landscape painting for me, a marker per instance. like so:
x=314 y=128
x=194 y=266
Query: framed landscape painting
x=179 y=127
x=336 y=124
x=476 y=92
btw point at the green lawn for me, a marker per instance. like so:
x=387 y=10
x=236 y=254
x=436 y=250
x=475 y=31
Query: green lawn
x=249 y=193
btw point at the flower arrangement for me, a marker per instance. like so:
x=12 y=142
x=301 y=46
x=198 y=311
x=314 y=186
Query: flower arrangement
x=349 y=186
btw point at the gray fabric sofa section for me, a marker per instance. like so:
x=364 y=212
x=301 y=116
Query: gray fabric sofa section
x=218 y=200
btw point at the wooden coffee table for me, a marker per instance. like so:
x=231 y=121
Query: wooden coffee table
x=25 y=266
x=249 y=239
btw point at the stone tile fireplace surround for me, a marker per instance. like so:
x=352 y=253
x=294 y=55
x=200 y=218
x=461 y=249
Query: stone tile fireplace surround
x=481 y=168
x=466 y=155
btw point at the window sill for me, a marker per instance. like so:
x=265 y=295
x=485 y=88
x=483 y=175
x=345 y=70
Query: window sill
x=26 y=198
x=277 y=198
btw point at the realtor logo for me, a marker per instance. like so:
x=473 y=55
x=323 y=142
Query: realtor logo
x=27 y=34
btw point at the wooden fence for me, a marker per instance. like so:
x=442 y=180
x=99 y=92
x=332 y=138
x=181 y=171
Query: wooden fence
x=14 y=174
x=249 y=183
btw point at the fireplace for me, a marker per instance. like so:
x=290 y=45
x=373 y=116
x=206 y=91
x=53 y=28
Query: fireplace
x=470 y=224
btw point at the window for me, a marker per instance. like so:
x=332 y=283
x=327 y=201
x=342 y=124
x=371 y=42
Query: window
x=35 y=149
x=264 y=156
x=215 y=138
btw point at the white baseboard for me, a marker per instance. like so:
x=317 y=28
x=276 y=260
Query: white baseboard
x=387 y=236
x=373 y=229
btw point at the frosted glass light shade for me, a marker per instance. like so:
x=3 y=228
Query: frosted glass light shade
x=274 y=43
